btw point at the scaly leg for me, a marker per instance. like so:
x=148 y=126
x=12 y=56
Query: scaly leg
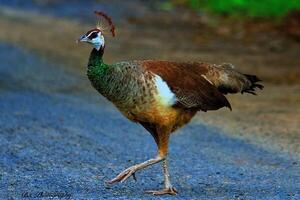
x=161 y=135
x=169 y=189
x=124 y=175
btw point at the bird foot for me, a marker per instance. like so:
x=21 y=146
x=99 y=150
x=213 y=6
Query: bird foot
x=124 y=175
x=170 y=191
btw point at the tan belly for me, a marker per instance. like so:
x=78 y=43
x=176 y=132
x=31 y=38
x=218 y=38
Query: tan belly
x=159 y=114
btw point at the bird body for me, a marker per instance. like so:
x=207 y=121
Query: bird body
x=162 y=96
x=160 y=91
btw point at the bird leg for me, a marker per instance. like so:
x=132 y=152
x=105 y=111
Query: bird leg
x=124 y=175
x=161 y=135
x=169 y=189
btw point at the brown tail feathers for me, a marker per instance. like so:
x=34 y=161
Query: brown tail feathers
x=254 y=85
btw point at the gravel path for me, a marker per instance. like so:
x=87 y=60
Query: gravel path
x=64 y=144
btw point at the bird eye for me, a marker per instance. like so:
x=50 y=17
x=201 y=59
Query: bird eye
x=93 y=35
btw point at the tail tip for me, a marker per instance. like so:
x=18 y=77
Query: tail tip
x=253 y=79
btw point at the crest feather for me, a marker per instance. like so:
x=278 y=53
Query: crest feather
x=108 y=19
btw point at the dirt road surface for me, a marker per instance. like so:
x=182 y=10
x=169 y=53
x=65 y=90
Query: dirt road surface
x=59 y=138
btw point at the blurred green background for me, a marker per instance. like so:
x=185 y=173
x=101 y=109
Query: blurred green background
x=243 y=8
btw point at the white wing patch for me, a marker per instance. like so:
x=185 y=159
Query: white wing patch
x=165 y=95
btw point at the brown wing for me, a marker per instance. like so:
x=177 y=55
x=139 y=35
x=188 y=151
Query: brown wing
x=186 y=80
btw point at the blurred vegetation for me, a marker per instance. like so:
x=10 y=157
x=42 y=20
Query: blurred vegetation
x=242 y=8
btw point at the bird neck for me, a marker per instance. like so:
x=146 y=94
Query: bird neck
x=97 y=69
x=96 y=60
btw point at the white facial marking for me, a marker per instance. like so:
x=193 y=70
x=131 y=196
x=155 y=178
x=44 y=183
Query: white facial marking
x=91 y=33
x=98 y=41
x=165 y=95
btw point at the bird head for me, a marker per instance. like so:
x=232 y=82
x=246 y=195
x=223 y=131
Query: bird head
x=95 y=36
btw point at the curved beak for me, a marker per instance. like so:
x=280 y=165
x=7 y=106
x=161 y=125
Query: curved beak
x=83 y=38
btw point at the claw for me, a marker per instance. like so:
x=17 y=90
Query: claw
x=170 y=191
x=124 y=175
x=134 y=177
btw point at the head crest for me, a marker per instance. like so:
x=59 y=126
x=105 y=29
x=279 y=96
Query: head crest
x=108 y=19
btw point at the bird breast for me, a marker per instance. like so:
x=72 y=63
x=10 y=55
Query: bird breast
x=138 y=93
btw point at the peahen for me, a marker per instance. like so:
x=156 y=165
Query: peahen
x=162 y=96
